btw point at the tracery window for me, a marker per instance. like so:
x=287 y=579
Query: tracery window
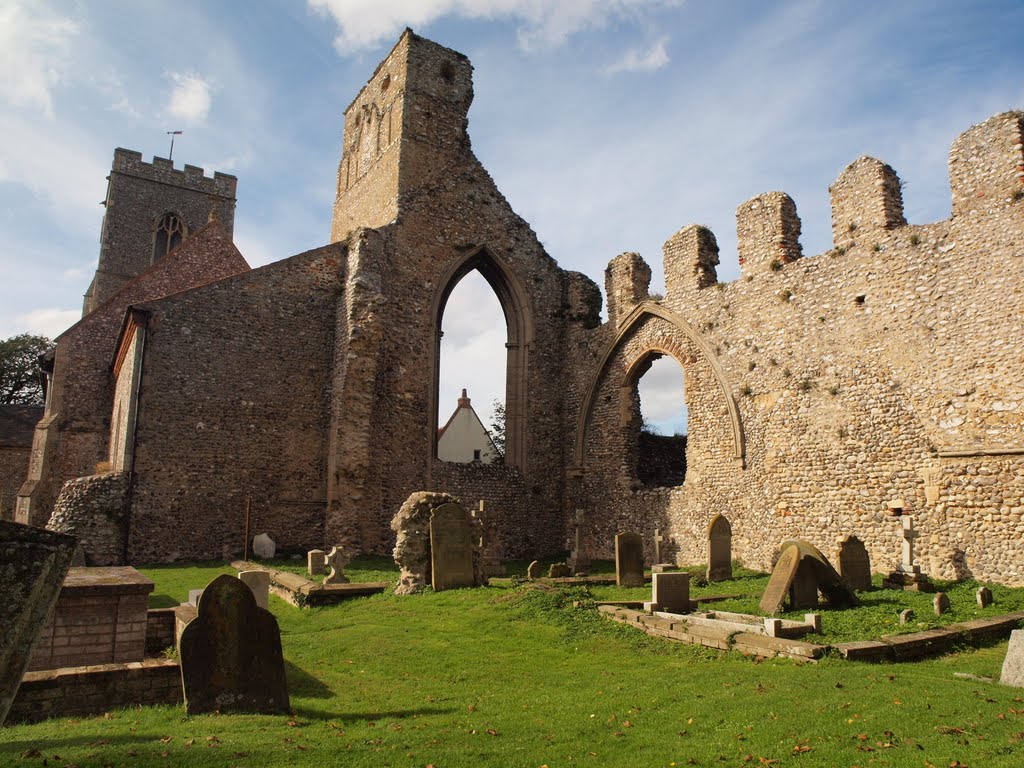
x=170 y=231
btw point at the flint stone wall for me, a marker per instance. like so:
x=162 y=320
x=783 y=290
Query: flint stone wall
x=92 y=509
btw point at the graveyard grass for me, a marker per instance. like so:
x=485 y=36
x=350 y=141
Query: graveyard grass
x=515 y=675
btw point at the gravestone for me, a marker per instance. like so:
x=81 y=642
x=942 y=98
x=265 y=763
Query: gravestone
x=193 y=597
x=491 y=549
x=629 y=560
x=719 y=549
x=984 y=597
x=670 y=592
x=658 y=540
x=802 y=571
x=941 y=603
x=533 y=570
x=231 y=658
x=336 y=560
x=579 y=560
x=451 y=548
x=263 y=546
x=1013 y=665
x=803 y=591
x=907 y=575
x=316 y=562
x=906 y=616
x=33 y=564
x=559 y=571
x=778 y=584
x=259 y=583
x=854 y=564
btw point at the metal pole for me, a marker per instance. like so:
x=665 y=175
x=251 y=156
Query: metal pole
x=172 y=134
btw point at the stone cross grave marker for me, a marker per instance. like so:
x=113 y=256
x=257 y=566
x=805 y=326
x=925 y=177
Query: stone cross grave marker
x=908 y=574
x=578 y=560
x=629 y=560
x=33 y=564
x=231 y=658
x=658 y=539
x=336 y=560
x=316 y=561
x=259 y=583
x=719 y=549
x=854 y=564
x=451 y=548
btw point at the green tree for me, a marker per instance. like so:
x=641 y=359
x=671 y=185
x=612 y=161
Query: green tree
x=19 y=369
x=497 y=430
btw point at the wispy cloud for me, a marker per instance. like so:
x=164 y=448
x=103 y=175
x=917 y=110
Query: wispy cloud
x=365 y=24
x=33 y=54
x=191 y=97
x=47 y=321
x=638 y=60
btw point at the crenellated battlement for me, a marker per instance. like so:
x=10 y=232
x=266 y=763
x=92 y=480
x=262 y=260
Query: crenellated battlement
x=130 y=162
x=986 y=174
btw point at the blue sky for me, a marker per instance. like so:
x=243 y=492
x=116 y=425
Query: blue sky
x=608 y=124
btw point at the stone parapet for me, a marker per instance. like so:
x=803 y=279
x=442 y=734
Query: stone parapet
x=768 y=233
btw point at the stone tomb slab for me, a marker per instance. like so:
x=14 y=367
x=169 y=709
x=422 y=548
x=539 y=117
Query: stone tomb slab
x=33 y=563
x=451 y=548
x=231 y=658
x=719 y=549
x=629 y=560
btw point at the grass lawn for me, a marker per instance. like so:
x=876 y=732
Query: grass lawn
x=514 y=676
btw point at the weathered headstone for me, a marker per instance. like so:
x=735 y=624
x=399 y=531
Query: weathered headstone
x=451 y=548
x=984 y=597
x=719 y=549
x=670 y=592
x=336 y=560
x=231 y=658
x=193 y=597
x=579 y=560
x=778 y=583
x=941 y=603
x=259 y=583
x=33 y=564
x=803 y=592
x=629 y=560
x=263 y=546
x=559 y=571
x=533 y=570
x=658 y=540
x=855 y=564
x=316 y=562
x=1013 y=665
x=412 y=539
x=802 y=571
x=491 y=549
x=906 y=616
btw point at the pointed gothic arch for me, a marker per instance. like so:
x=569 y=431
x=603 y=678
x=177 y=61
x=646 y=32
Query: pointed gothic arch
x=632 y=321
x=518 y=312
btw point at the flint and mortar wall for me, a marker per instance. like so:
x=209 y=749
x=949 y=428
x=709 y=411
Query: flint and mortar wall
x=92 y=509
x=886 y=368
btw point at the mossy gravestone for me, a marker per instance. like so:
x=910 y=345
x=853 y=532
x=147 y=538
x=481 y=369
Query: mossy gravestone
x=855 y=564
x=231 y=659
x=451 y=548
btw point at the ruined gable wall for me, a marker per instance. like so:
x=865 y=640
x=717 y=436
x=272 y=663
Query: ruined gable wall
x=449 y=211
x=235 y=402
x=886 y=368
x=73 y=434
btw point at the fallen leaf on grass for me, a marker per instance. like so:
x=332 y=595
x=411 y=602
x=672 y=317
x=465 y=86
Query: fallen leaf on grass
x=30 y=753
x=949 y=729
x=492 y=732
x=799 y=748
x=189 y=743
x=626 y=724
x=767 y=761
x=166 y=739
x=862 y=736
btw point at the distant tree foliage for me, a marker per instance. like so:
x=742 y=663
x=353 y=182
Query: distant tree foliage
x=497 y=430
x=19 y=369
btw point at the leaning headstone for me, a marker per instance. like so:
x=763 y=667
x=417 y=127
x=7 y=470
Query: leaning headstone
x=1013 y=664
x=629 y=560
x=451 y=548
x=670 y=592
x=231 y=658
x=854 y=564
x=803 y=592
x=259 y=583
x=906 y=616
x=33 y=564
x=533 y=570
x=719 y=549
x=941 y=603
x=336 y=560
x=263 y=546
x=316 y=562
x=559 y=571
x=774 y=596
x=801 y=572
x=984 y=597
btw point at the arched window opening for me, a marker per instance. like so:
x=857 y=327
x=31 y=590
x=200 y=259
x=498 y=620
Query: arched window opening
x=660 y=439
x=170 y=231
x=472 y=375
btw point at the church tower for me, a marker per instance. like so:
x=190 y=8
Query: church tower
x=151 y=208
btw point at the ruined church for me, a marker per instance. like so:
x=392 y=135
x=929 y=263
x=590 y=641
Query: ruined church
x=197 y=396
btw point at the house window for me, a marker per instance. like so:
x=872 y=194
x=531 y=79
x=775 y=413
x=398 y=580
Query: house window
x=170 y=231
x=476 y=454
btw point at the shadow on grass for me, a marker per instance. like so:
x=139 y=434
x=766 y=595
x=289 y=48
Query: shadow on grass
x=396 y=714
x=301 y=683
x=160 y=600
x=68 y=742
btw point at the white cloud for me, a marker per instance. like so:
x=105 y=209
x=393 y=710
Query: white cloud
x=48 y=321
x=635 y=60
x=190 y=97
x=34 y=54
x=365 y=24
